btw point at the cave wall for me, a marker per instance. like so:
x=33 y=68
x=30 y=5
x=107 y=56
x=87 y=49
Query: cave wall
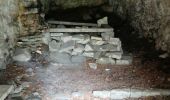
x=8 y=29
x=150 y=17
x=17 y=19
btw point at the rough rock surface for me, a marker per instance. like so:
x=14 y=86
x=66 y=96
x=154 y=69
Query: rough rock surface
x=8 y=29
x=150 y=17
x=70 y=3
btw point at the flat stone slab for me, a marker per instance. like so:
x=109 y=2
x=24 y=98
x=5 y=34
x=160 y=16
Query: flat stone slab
x=5 y=90
x=78 y=30
x=116 y=55
x=61 y=58
x=105 y=60
x=119 y=94
x=67 y=46
x=72 y=23
x=22 y=55
x=125 y=60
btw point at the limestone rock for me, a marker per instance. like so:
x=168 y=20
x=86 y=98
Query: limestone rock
x=54 y=46
x=61 y=58
x=85 y=41
x=125 y=60
x=67 y=46
x=96 y=42
x=107 y=36
x=88 y=54
x=96 y=38
x=105 y=60
x=22 y=55
x=65 y=38
x=103 y=21
x=116 y=55
x=88 y=47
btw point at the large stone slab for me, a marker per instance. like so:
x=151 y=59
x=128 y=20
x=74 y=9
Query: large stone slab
x=78 y=37
x=107 y=36
x=102 y=94
x=46 y=38
x=96 y=38
x=56 y=34
x=54 y=46
x=103 y=21
x=116 y=55
x=61 y=58
x=137 y=93
x=66 y=37
x=89 y=47
x=22 y=55
x=97 y=42
x=125 y=60
x=88 y=54
x=72 y=23
x=105 y=60
x=114 y=41
x=80 y=30
x=121 y=94
x=86 y=39
x=5 y=90
x=98 y=54
x=106 y=47
x=67 y=46
x=79 y=48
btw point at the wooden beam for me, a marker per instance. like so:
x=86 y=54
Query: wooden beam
x=79 y=30
x=72 y=23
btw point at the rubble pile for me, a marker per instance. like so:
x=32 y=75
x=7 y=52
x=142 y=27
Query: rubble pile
x=102 y=47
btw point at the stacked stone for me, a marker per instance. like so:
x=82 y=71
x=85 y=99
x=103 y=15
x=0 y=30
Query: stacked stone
x=104 y=48
x=29 y=17
x=31 y=42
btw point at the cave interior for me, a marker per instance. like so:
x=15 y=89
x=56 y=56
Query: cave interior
x=53 y=65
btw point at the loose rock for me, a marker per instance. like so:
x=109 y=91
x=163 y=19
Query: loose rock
x=93 y=65
x=22 y=55
x=105 y=60
x=67 y=46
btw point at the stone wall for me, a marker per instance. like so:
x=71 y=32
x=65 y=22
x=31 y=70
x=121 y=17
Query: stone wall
x=150 y=17
x=18 y=18
x=8 y=29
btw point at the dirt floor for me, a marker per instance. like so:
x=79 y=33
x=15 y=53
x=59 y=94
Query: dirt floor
x=52 y=81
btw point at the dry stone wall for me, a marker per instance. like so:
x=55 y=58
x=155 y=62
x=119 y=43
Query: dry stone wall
x=17 y=18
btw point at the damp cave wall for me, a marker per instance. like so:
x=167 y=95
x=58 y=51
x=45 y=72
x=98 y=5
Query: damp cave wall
x=16 y=19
